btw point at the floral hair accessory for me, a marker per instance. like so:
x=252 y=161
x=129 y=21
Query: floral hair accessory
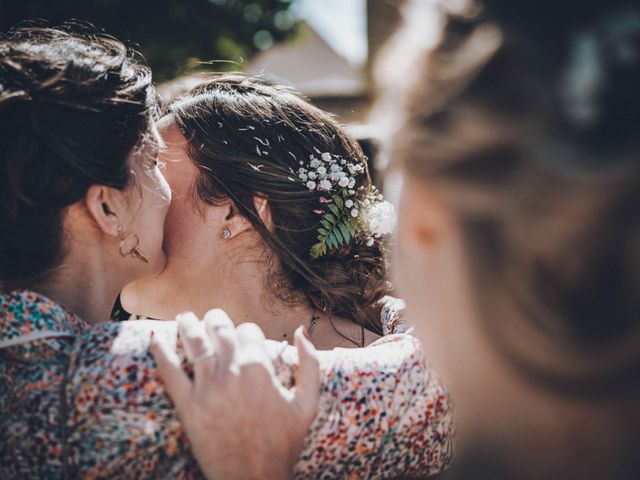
x=348 y=214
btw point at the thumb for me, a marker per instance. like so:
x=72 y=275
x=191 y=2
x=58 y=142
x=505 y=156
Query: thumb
x=307 y=389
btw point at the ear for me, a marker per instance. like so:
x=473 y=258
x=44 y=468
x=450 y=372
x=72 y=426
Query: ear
x=100 y=204
x=422 y=220
x=234 y=221
x=261 y=203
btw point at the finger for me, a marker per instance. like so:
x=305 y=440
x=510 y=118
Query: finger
x=307 y=389
x=251 y=345
x=197 y=345
x=176 y=382
x=250 y=334
x=223 y=336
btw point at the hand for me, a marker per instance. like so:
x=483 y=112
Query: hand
x=240 y=420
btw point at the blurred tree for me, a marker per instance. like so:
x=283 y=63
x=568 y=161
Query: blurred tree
x=174 y=36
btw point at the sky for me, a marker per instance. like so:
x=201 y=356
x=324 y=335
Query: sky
x=341 y=23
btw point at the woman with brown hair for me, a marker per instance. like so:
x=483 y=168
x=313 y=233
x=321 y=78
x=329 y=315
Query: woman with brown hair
x=517 y=253
x=274 y=218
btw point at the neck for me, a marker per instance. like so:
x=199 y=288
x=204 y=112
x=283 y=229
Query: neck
x=84 y=288
x=240 y=288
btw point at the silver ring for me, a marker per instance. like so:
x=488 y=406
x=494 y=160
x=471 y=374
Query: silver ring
x=203 y=356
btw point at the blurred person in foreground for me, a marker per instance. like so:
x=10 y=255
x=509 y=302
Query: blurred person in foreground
x=518 y=250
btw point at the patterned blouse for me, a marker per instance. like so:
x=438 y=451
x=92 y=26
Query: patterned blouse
x=85 y=401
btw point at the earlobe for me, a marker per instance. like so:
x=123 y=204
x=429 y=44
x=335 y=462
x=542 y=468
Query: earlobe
x=234 y=223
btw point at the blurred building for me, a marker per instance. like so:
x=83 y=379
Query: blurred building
x=331 y=61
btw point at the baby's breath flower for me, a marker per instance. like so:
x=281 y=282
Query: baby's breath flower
x=326 y=156
x=349 y=203
x=354 y=212
x=343 y=182
x=311 y=185
x=325 y=185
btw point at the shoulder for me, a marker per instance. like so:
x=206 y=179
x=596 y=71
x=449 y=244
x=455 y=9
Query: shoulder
x=119 y=406
x=387 y=404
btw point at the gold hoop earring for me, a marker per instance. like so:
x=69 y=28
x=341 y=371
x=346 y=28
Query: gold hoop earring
x=129 y=246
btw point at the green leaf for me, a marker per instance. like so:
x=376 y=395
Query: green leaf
x=331 y=218
x=328 y=242
x=339 y=240
x=323 y=231
x=338 y=201
x=318 y=250
x=326 y=224
x=346 y=234
x=334 y=209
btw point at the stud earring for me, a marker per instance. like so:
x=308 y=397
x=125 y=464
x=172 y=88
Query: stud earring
x=226 y=233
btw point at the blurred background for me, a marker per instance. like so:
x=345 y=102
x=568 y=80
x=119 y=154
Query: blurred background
x=323 y=48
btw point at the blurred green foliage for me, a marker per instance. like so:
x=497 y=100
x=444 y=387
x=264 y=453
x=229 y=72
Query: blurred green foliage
x=175 y=36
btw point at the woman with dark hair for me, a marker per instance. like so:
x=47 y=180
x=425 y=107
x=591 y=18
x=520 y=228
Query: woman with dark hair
x=274 y=218
x=82 y=214
x=518 y=253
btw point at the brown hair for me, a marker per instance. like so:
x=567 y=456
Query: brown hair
x=73 y=104
x=247 y=137
x=543 y=170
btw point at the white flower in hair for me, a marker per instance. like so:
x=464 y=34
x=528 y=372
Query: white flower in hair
x=343 y=182
x=322 y=171
x=382 y=219
x=311 y=185
x=354 y=212
x=326 y=156
x=314 y=163
x=325 y=185
x=348 y=203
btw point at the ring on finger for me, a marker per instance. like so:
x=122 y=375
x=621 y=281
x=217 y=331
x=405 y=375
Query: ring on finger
x=203 y=356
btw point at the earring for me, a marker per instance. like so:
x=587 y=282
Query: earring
x=129 y=245
x=226 y=233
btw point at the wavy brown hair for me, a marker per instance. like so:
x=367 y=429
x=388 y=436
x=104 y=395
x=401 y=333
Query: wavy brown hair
x=247 y=137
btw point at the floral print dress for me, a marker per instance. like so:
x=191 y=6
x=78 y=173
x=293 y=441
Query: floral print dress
x=85 y=401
